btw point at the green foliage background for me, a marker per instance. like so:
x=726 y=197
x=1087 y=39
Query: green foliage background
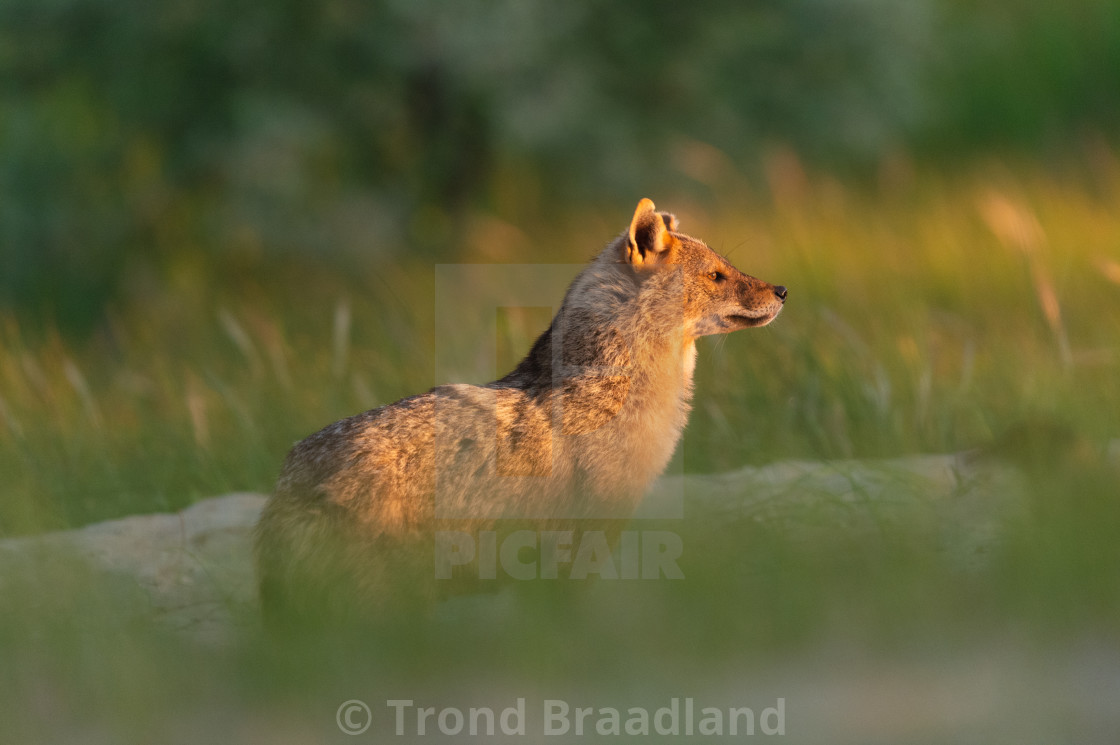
x=137 y=136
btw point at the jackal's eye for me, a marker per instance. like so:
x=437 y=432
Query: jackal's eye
x=716 y=276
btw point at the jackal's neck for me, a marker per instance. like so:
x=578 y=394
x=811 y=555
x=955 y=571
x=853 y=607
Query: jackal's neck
x=610 y=323
x=614 y=374
x=587 y=342
x=609 y=358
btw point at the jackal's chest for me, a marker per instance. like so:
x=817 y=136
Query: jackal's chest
x=639 y=442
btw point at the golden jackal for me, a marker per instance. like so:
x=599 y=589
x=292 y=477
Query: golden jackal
x=572 y=437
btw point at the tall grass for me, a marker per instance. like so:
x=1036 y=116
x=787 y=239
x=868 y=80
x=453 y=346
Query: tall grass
x=927 y=315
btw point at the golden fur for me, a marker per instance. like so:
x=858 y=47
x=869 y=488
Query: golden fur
x=572 y=437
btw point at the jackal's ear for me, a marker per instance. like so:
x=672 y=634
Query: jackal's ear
x=650 y=236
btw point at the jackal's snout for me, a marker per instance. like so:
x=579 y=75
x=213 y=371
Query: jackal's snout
x=757 y=304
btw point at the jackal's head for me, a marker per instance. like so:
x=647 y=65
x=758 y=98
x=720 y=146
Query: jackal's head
x=713 y=296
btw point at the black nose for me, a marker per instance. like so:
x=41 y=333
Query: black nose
x=781 y=291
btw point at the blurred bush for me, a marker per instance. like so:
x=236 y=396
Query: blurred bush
x=136 y=138
x=1029 y=74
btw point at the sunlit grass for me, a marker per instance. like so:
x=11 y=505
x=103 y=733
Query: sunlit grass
x=928 y=315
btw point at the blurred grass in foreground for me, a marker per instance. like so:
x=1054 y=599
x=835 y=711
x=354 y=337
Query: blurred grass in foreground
x=845 y=613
